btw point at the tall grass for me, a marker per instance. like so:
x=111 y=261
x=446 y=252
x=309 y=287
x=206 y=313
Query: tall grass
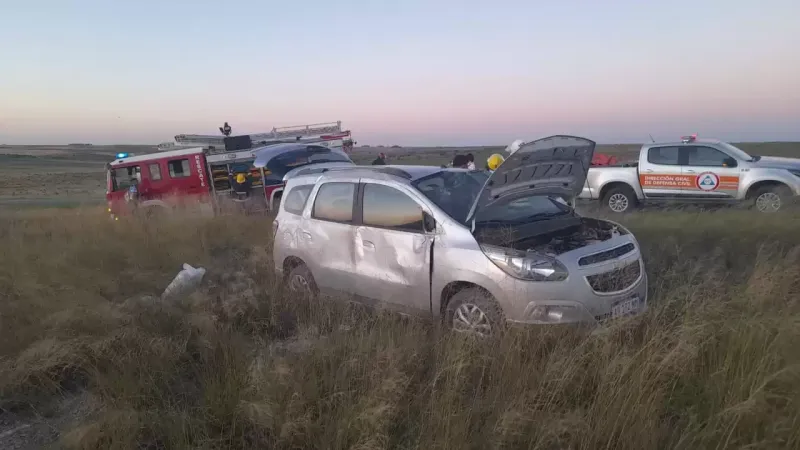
x=713 y=364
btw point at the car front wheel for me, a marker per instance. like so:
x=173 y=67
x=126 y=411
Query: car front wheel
x=474 y=311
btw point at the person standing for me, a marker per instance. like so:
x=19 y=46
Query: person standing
x=470 y=161
x=380 y=160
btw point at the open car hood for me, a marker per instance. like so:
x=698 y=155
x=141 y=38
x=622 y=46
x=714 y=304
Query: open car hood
x=555 y=166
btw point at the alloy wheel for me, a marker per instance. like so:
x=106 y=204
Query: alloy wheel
x=618 y=202
x=468 y=318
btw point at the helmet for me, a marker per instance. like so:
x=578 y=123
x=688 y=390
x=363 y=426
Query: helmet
x=514 y=146
x=241 y=178
x=494 y=161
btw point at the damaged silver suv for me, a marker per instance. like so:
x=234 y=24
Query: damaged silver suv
x=474 y=248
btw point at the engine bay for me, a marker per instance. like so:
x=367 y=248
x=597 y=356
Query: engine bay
x=588 y=232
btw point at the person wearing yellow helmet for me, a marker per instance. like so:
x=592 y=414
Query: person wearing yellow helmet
x=494 y=162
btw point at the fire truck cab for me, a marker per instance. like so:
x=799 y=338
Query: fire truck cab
x=200 y=177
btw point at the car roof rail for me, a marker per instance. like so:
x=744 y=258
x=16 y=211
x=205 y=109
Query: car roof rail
x=384 y=169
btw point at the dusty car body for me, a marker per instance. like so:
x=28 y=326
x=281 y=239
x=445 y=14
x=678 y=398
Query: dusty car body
x=695 y=171
x=474 y=248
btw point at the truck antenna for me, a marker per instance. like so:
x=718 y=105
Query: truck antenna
x=651 y=139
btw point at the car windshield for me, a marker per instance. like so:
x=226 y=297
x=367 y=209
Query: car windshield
x=453 y=191
x=281 y=164
x=525 y=209
x=737 y=153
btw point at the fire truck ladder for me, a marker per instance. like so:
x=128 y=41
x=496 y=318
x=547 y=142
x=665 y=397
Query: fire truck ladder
x=282 y=133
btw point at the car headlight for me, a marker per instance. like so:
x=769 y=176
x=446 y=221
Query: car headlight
x=794 y=172
x=529 y=266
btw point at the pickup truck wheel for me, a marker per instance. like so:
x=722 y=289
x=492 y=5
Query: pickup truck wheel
x=620 y=199
x=474 y=311
x=770 y=199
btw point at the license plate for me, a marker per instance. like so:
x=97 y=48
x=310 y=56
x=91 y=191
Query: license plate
x=625 y=307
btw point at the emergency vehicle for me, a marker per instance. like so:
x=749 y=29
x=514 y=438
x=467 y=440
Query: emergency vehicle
x=196 y=170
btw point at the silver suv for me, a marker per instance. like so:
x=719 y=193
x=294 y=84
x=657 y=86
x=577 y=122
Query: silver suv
x=476 y=249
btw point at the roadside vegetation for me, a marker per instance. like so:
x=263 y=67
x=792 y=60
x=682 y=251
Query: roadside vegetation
x=240 y=364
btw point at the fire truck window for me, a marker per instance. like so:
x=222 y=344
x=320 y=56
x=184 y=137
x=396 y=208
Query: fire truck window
x=155 y=172
x=121 y=177
x=179 y=168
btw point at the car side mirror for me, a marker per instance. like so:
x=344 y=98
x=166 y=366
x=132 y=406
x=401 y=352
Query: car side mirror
x=428 y=222
x=729 y=162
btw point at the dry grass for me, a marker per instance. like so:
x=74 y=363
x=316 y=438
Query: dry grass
x=713 y=364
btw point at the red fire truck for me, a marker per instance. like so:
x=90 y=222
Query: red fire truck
x=197 y=173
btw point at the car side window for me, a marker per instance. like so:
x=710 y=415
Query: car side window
x=666 y=156
x=706 y=157
x=334 y=202
x=295 y=201
x=387 y=207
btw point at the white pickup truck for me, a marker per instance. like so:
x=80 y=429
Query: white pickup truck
x=695 y=171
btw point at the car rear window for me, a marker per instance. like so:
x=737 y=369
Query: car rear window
x=295 y=201
x=334 y=202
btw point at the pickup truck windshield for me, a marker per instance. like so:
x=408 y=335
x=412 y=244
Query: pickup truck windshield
x=737 y=153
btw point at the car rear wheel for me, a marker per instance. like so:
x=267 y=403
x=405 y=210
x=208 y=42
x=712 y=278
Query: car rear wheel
x=771 y=199
x=474 y=311
x=300 y=281
x=620 y=199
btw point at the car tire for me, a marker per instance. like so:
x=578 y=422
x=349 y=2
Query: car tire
x=474 y=311
x=300 y=281
x=771 y=199
x=620 y=199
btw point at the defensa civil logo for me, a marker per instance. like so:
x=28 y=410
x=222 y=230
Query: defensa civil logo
x=707 y=181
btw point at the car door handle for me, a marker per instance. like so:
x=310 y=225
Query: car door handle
x=306 y=235
x=367 y=244
x=689 y=171
x=648 y=170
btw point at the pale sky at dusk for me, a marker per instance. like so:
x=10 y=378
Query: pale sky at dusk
x=408 y=72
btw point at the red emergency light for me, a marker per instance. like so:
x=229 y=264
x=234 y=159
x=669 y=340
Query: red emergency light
x=691 y=138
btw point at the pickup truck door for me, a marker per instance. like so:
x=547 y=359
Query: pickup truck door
x=714 y=173
x=660 y=172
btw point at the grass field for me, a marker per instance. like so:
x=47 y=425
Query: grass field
x=89 y=361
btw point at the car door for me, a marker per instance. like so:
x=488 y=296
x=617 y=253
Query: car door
x=661 y=174
x=327 y=235
x=712 y=172
x=392 y=250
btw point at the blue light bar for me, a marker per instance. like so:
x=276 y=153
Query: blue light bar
x=122 y=155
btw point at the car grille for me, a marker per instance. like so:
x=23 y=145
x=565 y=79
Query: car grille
x=615 y=280
x=614 y=253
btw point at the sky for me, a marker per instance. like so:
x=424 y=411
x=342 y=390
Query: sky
x=411 y=72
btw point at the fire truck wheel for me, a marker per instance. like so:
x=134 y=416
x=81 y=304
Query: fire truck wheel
x=154 y=212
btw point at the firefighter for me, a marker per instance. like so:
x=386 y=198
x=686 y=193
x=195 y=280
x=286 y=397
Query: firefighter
x=225 y=129
x=494 y=162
